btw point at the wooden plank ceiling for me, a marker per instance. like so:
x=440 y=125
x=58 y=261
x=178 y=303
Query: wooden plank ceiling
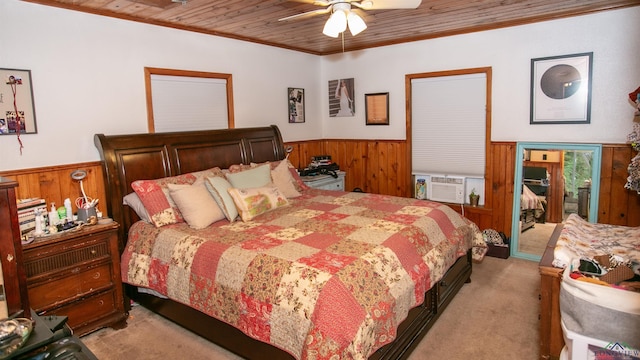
x=257 y=20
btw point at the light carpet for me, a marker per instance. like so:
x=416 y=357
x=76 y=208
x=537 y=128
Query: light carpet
x=493 y=317
x=534 y=240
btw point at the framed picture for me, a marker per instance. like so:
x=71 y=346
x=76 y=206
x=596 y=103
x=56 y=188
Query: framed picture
x=377 y=108
x=296 y=105
x=561 y=89
x=15 y=88
x=341 y=95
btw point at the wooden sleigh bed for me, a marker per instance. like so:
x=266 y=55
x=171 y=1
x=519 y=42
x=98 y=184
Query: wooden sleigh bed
x=128 y=158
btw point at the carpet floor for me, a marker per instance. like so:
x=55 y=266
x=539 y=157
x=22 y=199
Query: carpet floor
x=493 y=317
x=534 y=240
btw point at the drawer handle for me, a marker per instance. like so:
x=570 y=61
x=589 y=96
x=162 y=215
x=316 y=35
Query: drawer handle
x=96 y=275
x=443 y=283
x=101 y=302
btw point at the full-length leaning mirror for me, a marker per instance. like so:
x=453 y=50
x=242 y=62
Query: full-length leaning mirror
x=552 y=181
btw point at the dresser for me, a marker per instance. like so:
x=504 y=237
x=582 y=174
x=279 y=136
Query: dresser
x=13 y=297
x=77 y=274
x=325 y=182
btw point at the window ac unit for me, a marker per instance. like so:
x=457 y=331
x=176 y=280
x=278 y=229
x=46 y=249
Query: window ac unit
x=447 y=189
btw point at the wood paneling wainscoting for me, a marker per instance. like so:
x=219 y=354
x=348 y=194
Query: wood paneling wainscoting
x=381 y=167
x=54 y=183
x=616 y=205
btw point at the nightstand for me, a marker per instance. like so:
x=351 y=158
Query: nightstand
x=325 y=182
x=77 y=274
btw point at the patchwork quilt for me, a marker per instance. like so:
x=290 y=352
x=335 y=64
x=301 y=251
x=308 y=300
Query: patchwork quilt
x=582 y=239
x=329 y=276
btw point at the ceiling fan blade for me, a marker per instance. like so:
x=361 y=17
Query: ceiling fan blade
x=388 y=4
x=307 y=14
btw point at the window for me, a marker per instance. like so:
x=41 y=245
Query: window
x=179 y=100
x=448 y=124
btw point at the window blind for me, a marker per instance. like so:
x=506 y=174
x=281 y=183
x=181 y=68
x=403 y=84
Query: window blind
x=183 y=103
x=448 y=124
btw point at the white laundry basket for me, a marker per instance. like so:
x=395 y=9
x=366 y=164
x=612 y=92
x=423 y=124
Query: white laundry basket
x=577 y=346
x=598 y=315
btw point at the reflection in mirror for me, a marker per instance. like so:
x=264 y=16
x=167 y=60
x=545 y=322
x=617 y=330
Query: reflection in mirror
x=552 y=181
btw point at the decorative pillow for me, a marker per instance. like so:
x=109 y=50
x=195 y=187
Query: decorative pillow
x=297 y=181
x=283 y=180
x=259 y=176
x=155 y=197
x=196 y=204
x=133 y=201
x=253 y=202
x=242 y=167
x=218 y=186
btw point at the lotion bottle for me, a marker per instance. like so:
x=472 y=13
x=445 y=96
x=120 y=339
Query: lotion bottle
x=39 y=224
x=67 y=206
x=54 y=219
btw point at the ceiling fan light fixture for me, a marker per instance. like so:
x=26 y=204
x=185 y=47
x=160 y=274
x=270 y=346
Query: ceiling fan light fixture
x=336 y=24
x=356 y=24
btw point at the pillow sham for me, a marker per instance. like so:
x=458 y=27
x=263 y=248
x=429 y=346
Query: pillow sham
x=155 y=197
x=255 y=201
x=218 y=186
x=297 y=181
x=283 y=180
x=256 y=177
x=196 y=204
x=132 y=200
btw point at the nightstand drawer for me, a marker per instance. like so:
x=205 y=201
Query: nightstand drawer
x=326 y=182
x=50 y=294
x=75 y=253
x=87 y=310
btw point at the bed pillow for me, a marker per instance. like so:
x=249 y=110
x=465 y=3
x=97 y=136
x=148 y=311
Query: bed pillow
x=132 y=200
x=218 y=186
x=256 y=177
x=255 y=201
x=297 y=181
x=196 y=204
x=283 y=180
x=155 y=197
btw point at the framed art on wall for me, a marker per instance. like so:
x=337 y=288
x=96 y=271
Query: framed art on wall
x=296 y=105
x=341 y=95
x=16 y=93
x=561 y=89
x=377 y=108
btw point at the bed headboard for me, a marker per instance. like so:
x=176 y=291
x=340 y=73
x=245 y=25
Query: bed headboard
x=131 y=157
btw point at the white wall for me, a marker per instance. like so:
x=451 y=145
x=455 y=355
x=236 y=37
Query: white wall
x=88 y=77
x=612 y=36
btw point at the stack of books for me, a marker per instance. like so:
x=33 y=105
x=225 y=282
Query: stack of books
x=27 y=211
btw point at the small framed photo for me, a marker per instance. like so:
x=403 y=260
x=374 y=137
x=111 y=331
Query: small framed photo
x=17 y=111
x=561 y=89
x=296 y=105
x=377 y=108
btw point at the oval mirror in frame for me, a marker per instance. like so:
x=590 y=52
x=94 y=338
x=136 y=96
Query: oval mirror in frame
x=540 y=174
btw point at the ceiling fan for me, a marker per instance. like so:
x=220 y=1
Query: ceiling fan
x=342 y=15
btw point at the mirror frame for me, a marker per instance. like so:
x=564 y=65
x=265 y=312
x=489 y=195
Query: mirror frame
x=595 y=186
